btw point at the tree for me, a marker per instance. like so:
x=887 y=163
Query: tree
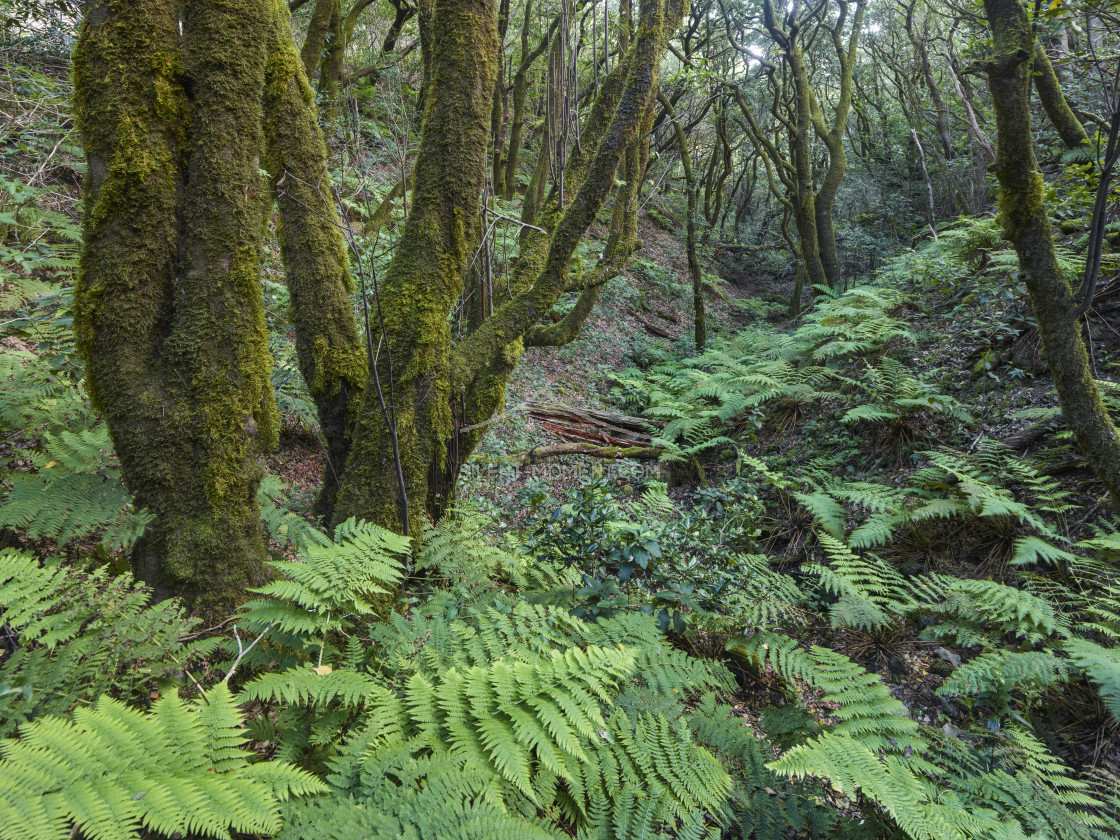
x=405 y=461
x=700 y=328
x=169 y=309
x=170 y=316
x=798 y=109
x=169 y=313
x=1027 y=225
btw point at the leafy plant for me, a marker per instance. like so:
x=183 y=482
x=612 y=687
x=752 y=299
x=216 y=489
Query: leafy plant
x=111 y=771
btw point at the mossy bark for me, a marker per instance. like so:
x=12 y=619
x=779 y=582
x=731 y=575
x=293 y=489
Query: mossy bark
x=169 y=314
x=332 y=357
x=425 y=278
x=404 y=13
x=1054 y=101
x=318 y=29
x=498 y=112
x=1027 y=226
x=331 y=65
x=484 y=394
x=443 y=392
x=803 y=198
x=519 y=95
x=833 y=138
x=594 y=175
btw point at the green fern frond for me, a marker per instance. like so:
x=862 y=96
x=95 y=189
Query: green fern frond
x=332 y=582
x=1101 y=666
x=82 y=633
x=826 y=510
x=999 y=672
x=112 y=770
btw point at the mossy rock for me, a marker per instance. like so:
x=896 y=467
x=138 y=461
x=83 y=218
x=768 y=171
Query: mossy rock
x=941 y=668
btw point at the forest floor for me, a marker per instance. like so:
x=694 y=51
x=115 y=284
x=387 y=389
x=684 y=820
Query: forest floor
x=972 y=342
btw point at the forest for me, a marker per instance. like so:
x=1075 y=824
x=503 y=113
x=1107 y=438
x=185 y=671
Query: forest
x=543 y=419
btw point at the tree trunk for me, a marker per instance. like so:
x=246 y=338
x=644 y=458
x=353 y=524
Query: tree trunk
x=169 y=314
x=331 y=65
x=318 y=28
x=332 y=357
x=1069 y=127
x=520 y=94
x=700 y=327
x=1027 y=226
x=443 y=395
x=411 y=397
x=498 y=114
x=833 y=138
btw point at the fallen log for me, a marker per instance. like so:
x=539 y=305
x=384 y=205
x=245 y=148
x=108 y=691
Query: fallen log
x=652 y=328
x=613 y=453
x=1025 y=437
x=591 y=424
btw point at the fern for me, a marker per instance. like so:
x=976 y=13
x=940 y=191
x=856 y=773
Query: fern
x=450 y=804
x=82 y=633
x=77 y=490
x=766 y=806
x=1013 y=775
x=332 y=583
x=112 y=771
x=993 y=675
x=866 y=709
x=649 y=778
x=826 y=510
x=1101 y=666
x=869 y=590
x=911 y=801
x=282 y=524
x=979 y=607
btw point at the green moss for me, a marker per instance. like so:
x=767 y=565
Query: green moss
x=332 y=356
x=169 y=312
x=424 y=280
x=1027 y=225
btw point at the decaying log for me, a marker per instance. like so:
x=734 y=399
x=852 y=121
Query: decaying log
x=613 y=453
x=588 y=424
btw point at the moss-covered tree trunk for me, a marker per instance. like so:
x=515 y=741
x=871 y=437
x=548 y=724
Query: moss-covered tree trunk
x=519 y=95
x=425 y=278
x=700 y=324
x=318 y=31
x=332 y=356
x=499 y=115
x=441 y=392
x=169 y=314
x=1027 y=226
x=833 y=137
x=804 y=197
x=799 y=129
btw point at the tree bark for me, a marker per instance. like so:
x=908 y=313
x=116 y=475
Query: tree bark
x=700 y=326
x=425 y=278
x=317 y=30
x=332 y=357
x=520 y=94
x=443 y=394
x=1027 y=226
x=169 y=314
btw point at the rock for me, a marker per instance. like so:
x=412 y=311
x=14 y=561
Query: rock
x=897 y=666
x=953 y=659
x=942 y=669
x=950 y=707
